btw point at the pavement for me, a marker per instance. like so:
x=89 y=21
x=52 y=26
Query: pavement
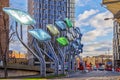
x=92 y=75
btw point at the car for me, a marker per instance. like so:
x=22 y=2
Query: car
x=108 y=69
x=101 y=68
x=95 y=68
x=117 y=69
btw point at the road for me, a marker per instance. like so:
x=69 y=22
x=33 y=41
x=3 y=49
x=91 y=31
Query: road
x=94 y=75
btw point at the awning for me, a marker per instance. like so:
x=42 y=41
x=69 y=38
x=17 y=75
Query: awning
x=114 y=7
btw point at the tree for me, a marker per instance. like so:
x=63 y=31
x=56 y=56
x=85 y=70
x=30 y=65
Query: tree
x=6 y=35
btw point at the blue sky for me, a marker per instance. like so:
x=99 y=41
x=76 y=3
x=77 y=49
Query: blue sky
x=90 y=14
x=97 y=33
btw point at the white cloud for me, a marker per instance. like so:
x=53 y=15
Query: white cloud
x=82 y=19
x=97 y=48
x=98 y=21
x=95 y=19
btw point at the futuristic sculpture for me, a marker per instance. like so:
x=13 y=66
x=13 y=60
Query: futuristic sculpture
x=42 y=36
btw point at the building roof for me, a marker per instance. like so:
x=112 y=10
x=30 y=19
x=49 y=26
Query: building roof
x=114 y=7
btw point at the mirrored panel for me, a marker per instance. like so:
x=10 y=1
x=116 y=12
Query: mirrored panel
x=68 y=23
x=40 y=34
x=62 y=41
x=53 y=30
x=61 y=25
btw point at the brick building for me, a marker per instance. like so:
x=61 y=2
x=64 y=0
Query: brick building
x=4 y=28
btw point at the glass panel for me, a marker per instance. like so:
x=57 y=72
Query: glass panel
x=53 y=30
x=20 y=16
x=69 y=23
x=71 y=30
x=40 y=34
x=70 y=37
x=62 y=41
x=61 y=25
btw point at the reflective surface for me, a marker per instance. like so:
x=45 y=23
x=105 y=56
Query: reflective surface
x=69 y=23
x=62 y=41
x=40 y=34
x=70 y=37
x=20 y=16
x=53 y=30
x=72 y=31
x=61 y=25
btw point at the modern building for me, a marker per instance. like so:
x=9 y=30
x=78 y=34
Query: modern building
x=116 y=44
x=48 y=11
x=101 y=59
x=114 y=7
x=4 y=29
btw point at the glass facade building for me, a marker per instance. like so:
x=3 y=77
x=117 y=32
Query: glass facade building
x=48 y=11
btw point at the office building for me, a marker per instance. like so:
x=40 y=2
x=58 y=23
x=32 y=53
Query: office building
x=48 y=11
x=116 y=44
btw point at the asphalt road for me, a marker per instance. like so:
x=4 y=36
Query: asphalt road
x=93 y=75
